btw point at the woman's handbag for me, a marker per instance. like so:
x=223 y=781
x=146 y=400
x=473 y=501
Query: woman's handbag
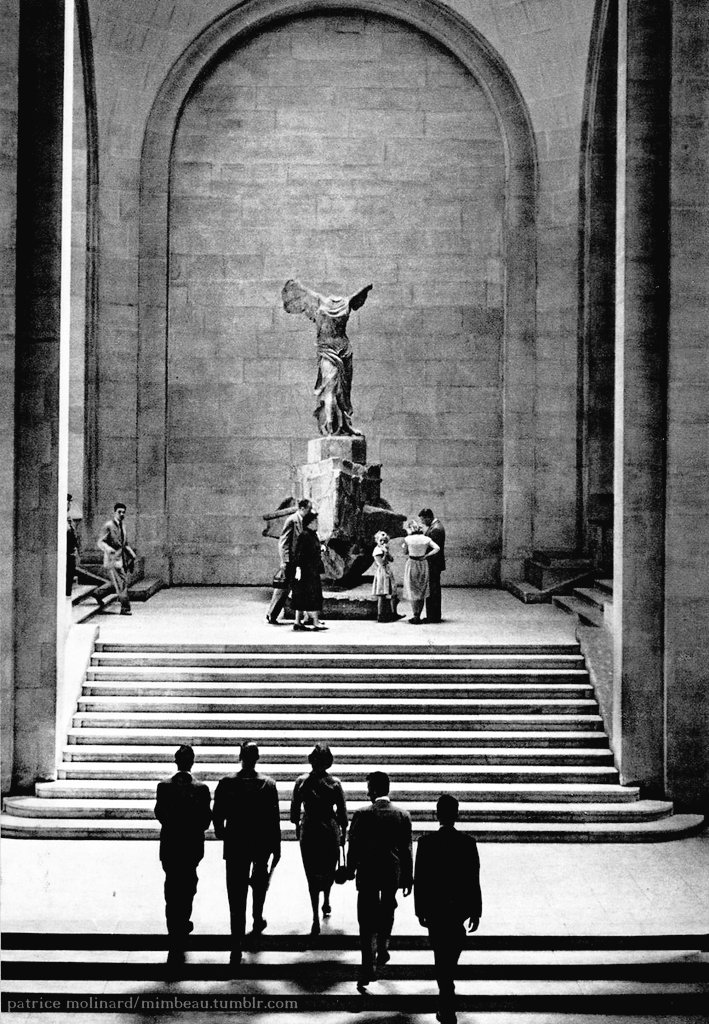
x=279 y=579
x=342 y=872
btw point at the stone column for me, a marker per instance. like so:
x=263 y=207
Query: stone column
x=39 y=204
x=687 y=536
x=9 y=32
x=641 y=361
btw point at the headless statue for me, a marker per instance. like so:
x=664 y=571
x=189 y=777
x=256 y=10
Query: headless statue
x=333 y=386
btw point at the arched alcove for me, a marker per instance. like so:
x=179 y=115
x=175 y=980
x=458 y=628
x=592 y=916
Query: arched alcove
x=517 y=277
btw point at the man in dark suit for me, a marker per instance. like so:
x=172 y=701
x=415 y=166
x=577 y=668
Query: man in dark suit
x=292 y=529
x=247 y=818
x=436 y=564
x=447 y=896
x=379 y=857
x=183 y=809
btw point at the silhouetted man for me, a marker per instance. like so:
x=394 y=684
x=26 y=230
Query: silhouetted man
x=436 y=564
x=379 y=856
x=183 y=810
x=118 y=555
x=292 y=529
x=247 y=818
x=447 y=896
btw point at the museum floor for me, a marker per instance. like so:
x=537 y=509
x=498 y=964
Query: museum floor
x=98 y=888
x=237 y=615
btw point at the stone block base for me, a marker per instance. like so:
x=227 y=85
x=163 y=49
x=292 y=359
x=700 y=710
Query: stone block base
x=353 y=448
x=355 y=603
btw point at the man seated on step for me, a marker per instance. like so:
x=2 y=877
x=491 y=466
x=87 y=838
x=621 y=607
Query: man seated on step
x=183 y=810
x=447 y=897
x=379 y=857
x=247 y=817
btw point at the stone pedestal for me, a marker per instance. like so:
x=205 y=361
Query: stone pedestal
x=347 y=494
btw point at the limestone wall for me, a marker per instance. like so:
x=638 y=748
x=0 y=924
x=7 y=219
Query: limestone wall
x=342 y=150
x=545 y=46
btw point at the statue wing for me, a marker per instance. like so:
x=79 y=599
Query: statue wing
x=299 y=299
x=360 y=297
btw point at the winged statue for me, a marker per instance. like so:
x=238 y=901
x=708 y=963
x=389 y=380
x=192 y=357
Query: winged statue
x=333 y=387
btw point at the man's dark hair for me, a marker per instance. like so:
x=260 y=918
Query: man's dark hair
x=309 y=517
x=249 y=753
x=119 y=504
x=184 y=757
x=378 y=782
x=426 y=513
x=304 y=503
x=447 y=809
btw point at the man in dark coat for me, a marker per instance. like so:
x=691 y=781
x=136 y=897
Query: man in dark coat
x=247 y=818
x=447 y=897
x=292 y=529
x=183 y=809
x=436 y=564
x=379 y=856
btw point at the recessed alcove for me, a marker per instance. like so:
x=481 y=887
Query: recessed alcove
x=376 y=144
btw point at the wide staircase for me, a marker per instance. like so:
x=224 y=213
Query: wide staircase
x=514 y=732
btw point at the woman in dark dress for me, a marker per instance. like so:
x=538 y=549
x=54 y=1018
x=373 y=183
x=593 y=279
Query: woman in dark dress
x=307 y=588
x=319 y=814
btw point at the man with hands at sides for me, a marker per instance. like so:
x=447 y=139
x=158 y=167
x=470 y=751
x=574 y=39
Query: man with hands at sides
x=447 y=897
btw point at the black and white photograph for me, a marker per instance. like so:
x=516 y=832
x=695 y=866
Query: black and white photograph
x=354 y=527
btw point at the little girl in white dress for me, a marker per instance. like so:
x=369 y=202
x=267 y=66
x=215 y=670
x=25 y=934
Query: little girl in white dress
x=384 y=584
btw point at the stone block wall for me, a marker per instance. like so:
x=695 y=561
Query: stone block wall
x=544 y=43
x=9 y=31
x=341 y=150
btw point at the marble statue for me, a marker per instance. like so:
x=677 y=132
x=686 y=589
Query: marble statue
x=333 y=386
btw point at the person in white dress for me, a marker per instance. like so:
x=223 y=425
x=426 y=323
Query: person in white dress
x=419 y=549
x=384 y=583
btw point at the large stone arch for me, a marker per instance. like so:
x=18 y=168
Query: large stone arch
x=475 y=54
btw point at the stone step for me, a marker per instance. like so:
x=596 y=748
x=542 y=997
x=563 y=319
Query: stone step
x=587 y=613
x=422 y=811
x=594 y=596
x=325 y=691
x=81 y=591
x=346 y=740
x=156 y=759
x=669 y=827
x=329 y=722
x=430 y=772
x=143 y=589
x=543 y=949
x=526 y=592
x=605 y=585
x=87 y=609
x=383 y=677
x=305 y=647
x=406 y=791
x=412 y=967
x=275 y=659
x=348 y=705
